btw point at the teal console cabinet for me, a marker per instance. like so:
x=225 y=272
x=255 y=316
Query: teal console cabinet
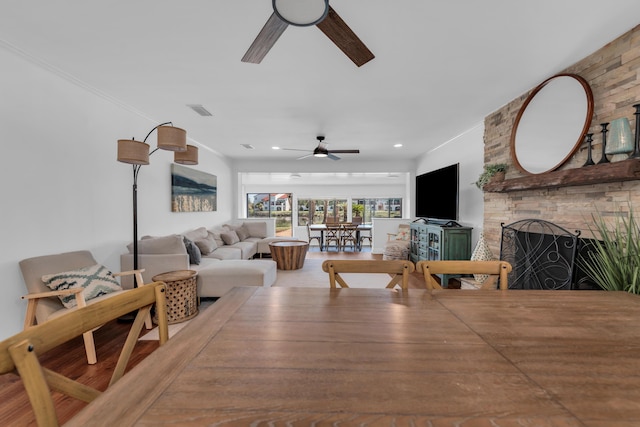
x=440 y=241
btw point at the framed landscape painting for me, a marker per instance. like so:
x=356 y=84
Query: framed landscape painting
x=192 y=190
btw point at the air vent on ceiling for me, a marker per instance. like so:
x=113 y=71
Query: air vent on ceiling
x=199 y=109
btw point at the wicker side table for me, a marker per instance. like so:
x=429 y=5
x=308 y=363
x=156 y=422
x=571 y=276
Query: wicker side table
x=182 y=298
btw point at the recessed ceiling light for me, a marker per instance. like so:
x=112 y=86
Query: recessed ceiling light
x=397 y=145
x=248 y=146
x=275 y=148
x=198 y=108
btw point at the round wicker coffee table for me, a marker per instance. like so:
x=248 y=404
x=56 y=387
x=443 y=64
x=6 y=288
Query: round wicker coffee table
x=182 y=298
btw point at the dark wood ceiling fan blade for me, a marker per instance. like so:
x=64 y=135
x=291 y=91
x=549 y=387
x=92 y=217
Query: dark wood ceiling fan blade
x=339 y=32
x=344 y=151
x=265 y=40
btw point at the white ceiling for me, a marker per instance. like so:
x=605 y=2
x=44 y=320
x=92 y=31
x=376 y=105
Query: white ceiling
x=440 y=66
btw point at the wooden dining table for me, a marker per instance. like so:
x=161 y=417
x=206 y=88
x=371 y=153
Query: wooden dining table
x=380 y=357
x=322 y=228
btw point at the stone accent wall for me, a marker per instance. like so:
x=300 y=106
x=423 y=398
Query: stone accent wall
x=613 y=72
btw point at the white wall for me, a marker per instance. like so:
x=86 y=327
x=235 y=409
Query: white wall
x=62 y=188
x=468 y=150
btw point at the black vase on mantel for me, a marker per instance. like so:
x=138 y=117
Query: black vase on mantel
x=604 y=143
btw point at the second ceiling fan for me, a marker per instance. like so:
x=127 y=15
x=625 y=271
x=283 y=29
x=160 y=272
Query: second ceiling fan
x=306 y=13
x=322 y=151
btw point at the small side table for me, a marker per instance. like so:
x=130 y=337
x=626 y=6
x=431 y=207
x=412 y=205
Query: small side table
x=182 y=298
x=289 y=255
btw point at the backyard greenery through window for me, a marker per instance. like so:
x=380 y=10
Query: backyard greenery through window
x=272 y=205
x=317 y=211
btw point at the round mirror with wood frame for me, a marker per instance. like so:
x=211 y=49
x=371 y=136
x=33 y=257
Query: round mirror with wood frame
x=551 y=124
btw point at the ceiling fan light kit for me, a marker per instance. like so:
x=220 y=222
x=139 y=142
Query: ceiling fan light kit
x=301 y=13
x=305 y=13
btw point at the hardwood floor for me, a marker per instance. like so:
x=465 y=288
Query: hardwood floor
x=69 y=360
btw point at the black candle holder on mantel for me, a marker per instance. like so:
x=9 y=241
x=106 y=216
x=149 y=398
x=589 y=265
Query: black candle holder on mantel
x=604 y=143
x=636 y=146
x=589 y=161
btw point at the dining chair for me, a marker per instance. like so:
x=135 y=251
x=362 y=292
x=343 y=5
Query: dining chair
x=20 y=352
x=348 y=236
x=332 y=235
x=364 y=235
x=311 y=237
x=495 y=269
x=399 y=270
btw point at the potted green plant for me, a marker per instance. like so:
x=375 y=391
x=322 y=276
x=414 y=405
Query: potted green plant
x=614 y=264
x=490 y=171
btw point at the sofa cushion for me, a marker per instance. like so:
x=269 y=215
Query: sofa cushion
x=226 y=252
x=197 y=234
x=248 y=248
x=219 y=278
x=96 y=280
x=230 y=237
x=193 y=250
x=256 y=228
x=207 y=244
x=172 y=244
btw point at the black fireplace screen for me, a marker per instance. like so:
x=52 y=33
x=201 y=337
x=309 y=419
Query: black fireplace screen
x=541 y=253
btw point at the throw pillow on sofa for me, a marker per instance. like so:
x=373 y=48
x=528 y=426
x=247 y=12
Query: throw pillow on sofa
x=197 y=234
x=195 y=256
x=207 y=245
x=96 y=280
x=215 y=232
x=242 y=232
x=230 y=237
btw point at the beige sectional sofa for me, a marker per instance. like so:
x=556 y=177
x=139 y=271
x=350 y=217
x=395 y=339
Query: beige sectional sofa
x=222 y=255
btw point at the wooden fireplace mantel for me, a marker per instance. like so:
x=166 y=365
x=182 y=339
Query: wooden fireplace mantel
x=626 y=170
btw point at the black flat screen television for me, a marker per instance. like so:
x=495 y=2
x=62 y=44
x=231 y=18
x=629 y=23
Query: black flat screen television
x=437 y=194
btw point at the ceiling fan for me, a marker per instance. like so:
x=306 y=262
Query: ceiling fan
x=304 y=13
x=322 y=151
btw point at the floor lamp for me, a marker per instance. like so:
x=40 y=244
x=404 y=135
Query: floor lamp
x=137 y=153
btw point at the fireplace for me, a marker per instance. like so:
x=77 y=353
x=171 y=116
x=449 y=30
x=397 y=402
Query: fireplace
x=545 y=256
x=541 y=253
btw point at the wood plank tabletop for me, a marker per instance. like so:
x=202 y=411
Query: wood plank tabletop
x=380 y=357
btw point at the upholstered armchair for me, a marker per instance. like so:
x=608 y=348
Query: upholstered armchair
x=397 y=244
x=53 y=286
